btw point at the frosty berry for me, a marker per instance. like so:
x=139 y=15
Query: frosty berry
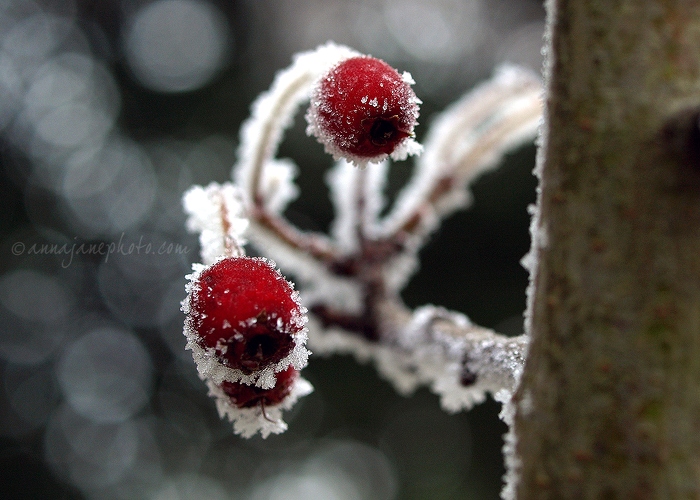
x=246 y=396
x=245 y=310
x=362 y=110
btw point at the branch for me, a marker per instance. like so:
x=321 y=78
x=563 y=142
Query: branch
x=351 y=279
x=459 y=361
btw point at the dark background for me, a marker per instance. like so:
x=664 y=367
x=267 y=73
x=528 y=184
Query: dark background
x=109 y=110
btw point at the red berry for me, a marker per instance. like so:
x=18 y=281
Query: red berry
x=362 y=109
x=247 y=396
x=245 y=309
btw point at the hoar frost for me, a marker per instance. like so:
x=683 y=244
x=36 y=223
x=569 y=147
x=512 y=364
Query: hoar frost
x=350 y=280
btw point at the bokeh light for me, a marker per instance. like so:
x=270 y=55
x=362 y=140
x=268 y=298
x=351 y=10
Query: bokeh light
x=105 y=375
x=33 y=310
x=109 y=111
x=176 y=45
x=336 y=470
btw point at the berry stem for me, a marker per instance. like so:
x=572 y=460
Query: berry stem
x=268 y=140
x=491 y=360
x=264 y=413
x=230 y=244
x=369 y=258
x=261 y=136
x=361 y=205
x=314 y=244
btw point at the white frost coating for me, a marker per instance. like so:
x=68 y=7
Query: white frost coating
x=441 y=359
x=455 y=132
x=530 y=262
x=340 y=294
x=344 y=181
x=454 y=397
x=408 y=147
x=375 y=179
x=459 y=361
x=402 y=267
x=209 y=367
x=398 y=368
x=207 y=208
x=494 y=361
x=392 y=364
x=437 y=359
x=329 y=341
x=419 y=331
x=273 y=111
x=278 y=188
x=467 y=139
x=249 y=421
x=302 y=266
x=341 y=179
x=510 y=458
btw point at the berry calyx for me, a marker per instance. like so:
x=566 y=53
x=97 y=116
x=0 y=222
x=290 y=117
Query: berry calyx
x=363 y=110
x=247 y=396
x=244 y=309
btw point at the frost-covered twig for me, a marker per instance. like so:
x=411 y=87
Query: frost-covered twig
x=267 y=183
x=217 y=214
x=458 y=360
x=351 y=279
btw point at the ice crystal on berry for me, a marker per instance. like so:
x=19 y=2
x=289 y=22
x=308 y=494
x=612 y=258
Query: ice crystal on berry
x=364 y=110
x=247 y=332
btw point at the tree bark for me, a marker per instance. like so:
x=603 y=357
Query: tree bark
x=609 y=402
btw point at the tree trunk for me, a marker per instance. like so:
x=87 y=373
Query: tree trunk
x=609 y=403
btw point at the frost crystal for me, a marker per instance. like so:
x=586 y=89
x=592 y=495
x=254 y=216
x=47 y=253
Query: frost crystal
x=348 y=183
x=278 y=188
x=425 y=351
x=247 y=420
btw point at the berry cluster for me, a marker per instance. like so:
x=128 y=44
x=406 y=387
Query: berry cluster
x=245 y=325
x=246 y=328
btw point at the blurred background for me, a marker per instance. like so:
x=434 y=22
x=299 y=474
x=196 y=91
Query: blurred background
x=109 y=110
